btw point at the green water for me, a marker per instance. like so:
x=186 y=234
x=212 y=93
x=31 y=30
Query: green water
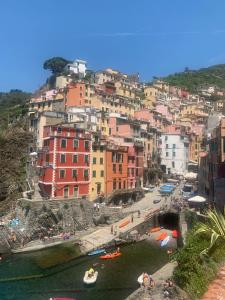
x=57 y=273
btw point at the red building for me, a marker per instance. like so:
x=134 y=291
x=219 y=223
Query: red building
x=65 y=162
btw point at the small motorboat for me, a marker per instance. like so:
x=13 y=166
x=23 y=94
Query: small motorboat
x=165 y=241
x=162 y=236
x=90 y=279
x=96 y=252
x=111 y=255
x=144 y=279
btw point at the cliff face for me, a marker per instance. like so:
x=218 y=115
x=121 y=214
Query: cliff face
x=14 y=143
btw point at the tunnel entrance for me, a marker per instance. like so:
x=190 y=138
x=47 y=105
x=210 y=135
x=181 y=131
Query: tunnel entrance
x=169 y=220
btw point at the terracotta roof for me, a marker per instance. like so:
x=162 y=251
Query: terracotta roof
x=216 y=289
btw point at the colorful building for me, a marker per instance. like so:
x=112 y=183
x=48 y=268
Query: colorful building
x=64 y=162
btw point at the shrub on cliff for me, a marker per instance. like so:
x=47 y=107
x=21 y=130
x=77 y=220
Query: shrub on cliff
x=192 y=273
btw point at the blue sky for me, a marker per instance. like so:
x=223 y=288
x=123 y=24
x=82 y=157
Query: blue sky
x=150 y=37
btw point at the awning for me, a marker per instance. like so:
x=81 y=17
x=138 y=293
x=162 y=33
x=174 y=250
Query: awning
x=197 y=199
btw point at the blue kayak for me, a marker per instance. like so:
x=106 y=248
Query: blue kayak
x=96 y=252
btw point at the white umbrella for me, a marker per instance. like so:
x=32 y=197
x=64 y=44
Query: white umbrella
x=191 y=175
x=197 y=199
x=33 y=154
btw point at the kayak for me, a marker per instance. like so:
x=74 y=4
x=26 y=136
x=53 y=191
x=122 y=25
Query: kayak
x=155 y=229
x=174 y=234
x=124 y=223
x=96 y=252
x=90 y=280
x=165 y=241
x=162 y=236
x=111 y=255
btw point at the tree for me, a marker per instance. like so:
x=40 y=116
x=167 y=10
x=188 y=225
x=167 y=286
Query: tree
x=55 y=64
x=215 y=228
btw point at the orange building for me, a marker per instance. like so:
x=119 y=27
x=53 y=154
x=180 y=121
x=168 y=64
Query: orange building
x=116 y=168
x=75 y=95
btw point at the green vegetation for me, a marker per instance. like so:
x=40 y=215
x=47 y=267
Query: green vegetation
x=194 y=79
x=14 y=142
x=214 y=228
x=193 y=273
x=12 y=107
x=55 y=64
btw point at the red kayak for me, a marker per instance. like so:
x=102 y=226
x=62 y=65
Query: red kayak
x=175 y=234
x=162 y=236
x=111 y=255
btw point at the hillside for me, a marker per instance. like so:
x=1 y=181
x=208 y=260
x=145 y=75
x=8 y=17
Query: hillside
x=194 y=79
x=12 y=106
x=14 y=142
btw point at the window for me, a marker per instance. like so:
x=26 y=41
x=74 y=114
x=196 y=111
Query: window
x=94 y=174
x=120 y=169
x=173 y=164
x=74 y=173
x=113 y=156
x=114 y=184
x=75 y=190
x=86 y=174
x=120 y=186
x=167 y=154
x=86 y=145
x=62 y=174
x=114 y=168
x=86 y=160
x=75 y=144
x=174 y=153
x=98 y=188
x=174 y=146
x=101 y=160
x=47 y=158
x=124 y=184
x=81 y=95
x=62 y=158
x=167 y=146
x=102 y=173
x=94 y=160
x=166 y=138
x=81 y=88
x=101 y=149
x=74 y=159
x=63 y=143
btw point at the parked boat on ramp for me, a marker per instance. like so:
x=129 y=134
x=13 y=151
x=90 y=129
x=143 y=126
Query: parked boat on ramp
x=96 y=252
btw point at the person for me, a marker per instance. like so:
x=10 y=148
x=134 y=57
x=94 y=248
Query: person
x=132 y=218
x=95 y=206
x=111 y=229
x=118 y=250
x=91 y=272
x=139 y=214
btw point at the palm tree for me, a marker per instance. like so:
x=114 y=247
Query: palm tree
x=215 y=227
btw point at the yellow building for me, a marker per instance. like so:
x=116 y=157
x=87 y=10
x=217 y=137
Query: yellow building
x=115 y=104
x=98 y=155
x=125 y=89
x=150 y=93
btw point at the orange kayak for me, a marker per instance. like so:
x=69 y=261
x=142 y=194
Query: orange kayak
x=175 y=234
x=155 y=229
x=124 y=223
x=162 y=236
x=111 y=255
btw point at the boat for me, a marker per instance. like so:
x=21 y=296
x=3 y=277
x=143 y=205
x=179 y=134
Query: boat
x=165 y=241
x=111 y=255
x=174 y=234
x=90 y=280
x=144 y=279
x=124 y=223
x=96 y=252
x=155 y=229
x=162 y=236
